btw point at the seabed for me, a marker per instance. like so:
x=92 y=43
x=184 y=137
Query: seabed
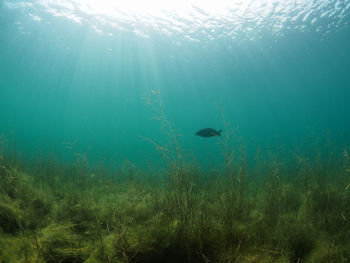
x=270 y=212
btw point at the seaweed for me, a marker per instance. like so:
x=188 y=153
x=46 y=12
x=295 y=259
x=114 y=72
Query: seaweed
x=266 y=210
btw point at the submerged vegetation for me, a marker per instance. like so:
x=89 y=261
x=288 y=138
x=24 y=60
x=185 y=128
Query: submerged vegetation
x=263 y=211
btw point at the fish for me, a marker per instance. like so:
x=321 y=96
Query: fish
x=208 y=132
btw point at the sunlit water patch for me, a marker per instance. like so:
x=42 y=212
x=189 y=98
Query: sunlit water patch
x=194 y=19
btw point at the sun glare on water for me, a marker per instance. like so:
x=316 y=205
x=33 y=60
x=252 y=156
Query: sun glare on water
x=194 y=18
x=150 y=7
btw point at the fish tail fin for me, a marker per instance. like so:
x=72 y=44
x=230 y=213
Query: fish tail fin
x=219 y=132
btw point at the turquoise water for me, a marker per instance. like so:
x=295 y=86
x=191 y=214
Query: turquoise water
x=77 y=71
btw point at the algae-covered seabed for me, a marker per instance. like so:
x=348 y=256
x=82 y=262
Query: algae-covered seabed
x=267 y=211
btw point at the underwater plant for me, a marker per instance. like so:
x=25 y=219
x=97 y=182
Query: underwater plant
x=51 y=211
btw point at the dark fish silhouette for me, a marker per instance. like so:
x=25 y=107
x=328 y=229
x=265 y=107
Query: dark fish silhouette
x=208 y=132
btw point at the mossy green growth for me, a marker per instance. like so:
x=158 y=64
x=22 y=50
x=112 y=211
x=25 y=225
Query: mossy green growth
x=325 y=252
x=21 y=248
x=57 y=243
x=195 y=219
x=11 y=217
